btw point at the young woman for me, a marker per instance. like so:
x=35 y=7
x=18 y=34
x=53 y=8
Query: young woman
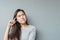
x=19 y=29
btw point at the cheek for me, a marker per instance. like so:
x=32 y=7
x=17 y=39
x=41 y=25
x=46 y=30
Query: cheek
x=18 y=19
x=25 y=18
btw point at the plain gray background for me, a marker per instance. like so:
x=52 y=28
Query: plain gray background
x=43 y=14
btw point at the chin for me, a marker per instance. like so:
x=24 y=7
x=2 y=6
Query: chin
x=22 y=22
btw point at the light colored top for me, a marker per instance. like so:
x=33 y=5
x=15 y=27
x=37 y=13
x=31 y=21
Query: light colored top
x=28 y=33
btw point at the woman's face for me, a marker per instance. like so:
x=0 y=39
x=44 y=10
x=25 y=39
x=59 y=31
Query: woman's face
x=21 y=17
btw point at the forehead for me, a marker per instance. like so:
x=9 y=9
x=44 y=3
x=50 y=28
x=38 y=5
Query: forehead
x=20 y=13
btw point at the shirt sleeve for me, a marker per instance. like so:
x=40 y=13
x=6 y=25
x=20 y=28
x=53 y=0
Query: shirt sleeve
x=32 y=34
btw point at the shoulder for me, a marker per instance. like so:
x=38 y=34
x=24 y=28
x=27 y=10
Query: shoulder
x=32 y=27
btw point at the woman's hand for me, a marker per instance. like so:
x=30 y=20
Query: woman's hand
x=11 y=22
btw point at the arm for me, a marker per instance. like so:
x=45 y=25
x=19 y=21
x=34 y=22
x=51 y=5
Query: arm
x=10 y=23
x=32 y=34
x=6 y=33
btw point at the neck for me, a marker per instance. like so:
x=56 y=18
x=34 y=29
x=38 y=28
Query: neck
x=24 y=25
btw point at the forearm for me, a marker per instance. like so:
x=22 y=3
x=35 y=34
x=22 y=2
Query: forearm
x=6 y=33
x=6 y=36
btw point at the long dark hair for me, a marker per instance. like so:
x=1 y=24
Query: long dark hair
x=15 y=31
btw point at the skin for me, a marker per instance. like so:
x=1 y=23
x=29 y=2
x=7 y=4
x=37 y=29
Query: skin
x=21 y=18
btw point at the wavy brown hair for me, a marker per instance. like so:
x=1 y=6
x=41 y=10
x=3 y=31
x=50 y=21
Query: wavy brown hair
x=15 y=31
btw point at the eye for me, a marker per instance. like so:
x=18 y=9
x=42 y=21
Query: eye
x=19 y=15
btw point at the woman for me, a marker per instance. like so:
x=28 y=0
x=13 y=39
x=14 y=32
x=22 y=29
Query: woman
x=19 y=29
